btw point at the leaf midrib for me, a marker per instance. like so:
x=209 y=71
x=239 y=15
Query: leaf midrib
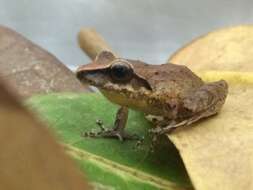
x=121 y=169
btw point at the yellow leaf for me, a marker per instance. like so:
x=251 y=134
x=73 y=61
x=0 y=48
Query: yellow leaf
x=218 y=151
x=228 y=49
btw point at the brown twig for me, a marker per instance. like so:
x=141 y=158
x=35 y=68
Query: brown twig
x=91 y=42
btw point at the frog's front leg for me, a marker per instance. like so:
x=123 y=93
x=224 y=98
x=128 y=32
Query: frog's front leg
x=118 y=130
x=204 y=102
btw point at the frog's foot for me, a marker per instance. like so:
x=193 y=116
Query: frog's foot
x=173 y=125
x=115 y=132
x=159 y=130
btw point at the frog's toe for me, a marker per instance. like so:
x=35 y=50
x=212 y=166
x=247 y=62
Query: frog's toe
x=121 y=136
x=117 y=132
x=162 y=130
x=100 y=123
x=112 y=133
x=156 y=131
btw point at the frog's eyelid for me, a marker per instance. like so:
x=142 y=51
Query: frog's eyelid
x=92 y=66
x=120 y=60
x=104 y=57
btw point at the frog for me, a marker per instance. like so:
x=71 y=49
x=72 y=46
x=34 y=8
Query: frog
x=170 y=95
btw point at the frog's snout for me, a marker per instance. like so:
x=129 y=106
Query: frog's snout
x=79 y=75
x=83 y=77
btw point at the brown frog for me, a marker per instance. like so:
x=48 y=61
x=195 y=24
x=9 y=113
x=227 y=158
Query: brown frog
x=170 y=95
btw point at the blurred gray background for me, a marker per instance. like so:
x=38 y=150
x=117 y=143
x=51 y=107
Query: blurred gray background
x=138 y=29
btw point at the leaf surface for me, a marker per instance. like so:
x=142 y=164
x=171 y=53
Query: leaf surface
x=108 y=162
x=217 y=152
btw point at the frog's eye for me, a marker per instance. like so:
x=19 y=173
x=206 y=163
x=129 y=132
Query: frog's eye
x=121 y=72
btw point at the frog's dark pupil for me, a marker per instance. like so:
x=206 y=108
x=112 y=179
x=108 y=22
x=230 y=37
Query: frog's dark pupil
x=121 y=72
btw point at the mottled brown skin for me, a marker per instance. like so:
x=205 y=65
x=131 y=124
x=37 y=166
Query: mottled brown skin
x=172 y=94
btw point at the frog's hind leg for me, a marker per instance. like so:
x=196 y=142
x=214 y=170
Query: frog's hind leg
x=169 y=128
x=204 y=102
x=117 y=131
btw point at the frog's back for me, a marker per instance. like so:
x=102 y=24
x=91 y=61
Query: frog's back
x=170 y=79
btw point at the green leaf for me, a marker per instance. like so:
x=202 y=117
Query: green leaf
x=109 y=163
